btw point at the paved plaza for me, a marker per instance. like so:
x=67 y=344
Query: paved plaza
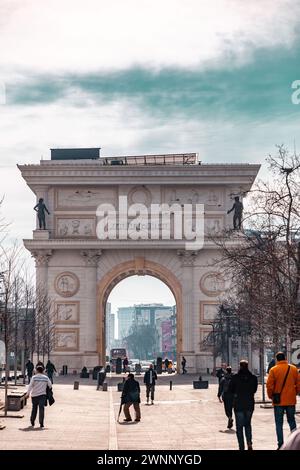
x=181 y=418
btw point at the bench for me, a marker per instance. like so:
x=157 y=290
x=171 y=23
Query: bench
x=16 y=401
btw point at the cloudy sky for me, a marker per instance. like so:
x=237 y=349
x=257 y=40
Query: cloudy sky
x=141 y=76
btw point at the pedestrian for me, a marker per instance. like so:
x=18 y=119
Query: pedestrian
x=29 y=368
x=125 y=364
x=166 y=362
x=50 y=369
x=283 y=385
x=225 y=395
x=150 y=378
x=243 y=386
x=272 y=363
x=220 y=373
x=131 y=396
x=38 y=390
x=183 y=363
x=292 y=442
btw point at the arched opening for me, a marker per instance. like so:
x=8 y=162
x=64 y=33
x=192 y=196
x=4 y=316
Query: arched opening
x=136 y=267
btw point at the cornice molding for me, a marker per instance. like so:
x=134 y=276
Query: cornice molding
x=98 y=174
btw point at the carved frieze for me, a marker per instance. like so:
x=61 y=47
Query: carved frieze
x=211 y=198
x=83 y=198
x=75 y=227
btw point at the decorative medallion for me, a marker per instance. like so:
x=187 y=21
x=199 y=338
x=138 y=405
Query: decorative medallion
x=66 y=284
x=140 y=195
x=212 y=284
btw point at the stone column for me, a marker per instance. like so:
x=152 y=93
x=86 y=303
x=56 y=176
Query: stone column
x=91 y=258
x=42 y=258
x=187 y=258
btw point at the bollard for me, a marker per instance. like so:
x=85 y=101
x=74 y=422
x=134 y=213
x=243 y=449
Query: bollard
x=171 y=384
x=76 y=385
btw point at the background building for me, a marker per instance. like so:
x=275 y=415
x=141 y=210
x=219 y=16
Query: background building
x=125 y=320
x=110 y=328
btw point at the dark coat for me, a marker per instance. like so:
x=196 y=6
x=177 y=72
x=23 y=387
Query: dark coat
x=49 y=396
x=50 y=368
x=224 y=386
x=131 y=392
x=243 y=385
x=147 y=377
x=29 y=367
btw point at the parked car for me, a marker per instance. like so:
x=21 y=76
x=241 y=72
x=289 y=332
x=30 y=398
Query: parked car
x=145 y=365
x=132 y=364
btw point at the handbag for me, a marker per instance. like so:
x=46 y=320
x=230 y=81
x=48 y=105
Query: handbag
x=276 y=398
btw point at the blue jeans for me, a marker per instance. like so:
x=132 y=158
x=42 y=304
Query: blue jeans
x=278 y=414
x=243 y=420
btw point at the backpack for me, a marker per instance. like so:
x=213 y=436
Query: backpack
x=227 y=380
x=134 y=396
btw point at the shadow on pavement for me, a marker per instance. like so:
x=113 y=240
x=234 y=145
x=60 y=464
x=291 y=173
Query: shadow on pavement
x=31 y=428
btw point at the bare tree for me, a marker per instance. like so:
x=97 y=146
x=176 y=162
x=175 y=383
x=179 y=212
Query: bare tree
x=9 y=268
x=44 y=324
x=264 y=263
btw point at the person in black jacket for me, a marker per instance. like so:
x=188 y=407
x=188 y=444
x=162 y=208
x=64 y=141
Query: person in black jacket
x=29 y=368
x=220 y=373
x=131 y=396
x=150 y=378
x=50 y=369
x=243 y=386
x=225 y=395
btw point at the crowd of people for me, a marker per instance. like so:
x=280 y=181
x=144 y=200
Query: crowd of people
x=237 y=391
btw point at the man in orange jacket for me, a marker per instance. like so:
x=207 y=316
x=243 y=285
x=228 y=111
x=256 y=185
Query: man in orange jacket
x=284 y=379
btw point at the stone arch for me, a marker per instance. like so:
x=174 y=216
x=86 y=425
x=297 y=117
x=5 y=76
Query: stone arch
x=141 y=267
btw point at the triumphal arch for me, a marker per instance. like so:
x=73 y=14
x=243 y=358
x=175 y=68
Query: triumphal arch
x=78 y=266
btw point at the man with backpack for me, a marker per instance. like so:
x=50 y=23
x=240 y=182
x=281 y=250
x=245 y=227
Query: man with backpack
x=225 y=395
x=220 y=373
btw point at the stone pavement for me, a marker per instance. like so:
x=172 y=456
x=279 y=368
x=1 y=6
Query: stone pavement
x=181 y=418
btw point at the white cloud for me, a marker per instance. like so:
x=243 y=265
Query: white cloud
x=97 y=34
x=119 y=128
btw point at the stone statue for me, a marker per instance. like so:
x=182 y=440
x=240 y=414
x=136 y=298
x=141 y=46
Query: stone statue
x=40 y=208
x=238 y=213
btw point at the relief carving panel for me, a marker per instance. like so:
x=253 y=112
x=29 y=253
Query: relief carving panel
x=211 y=198
x=208 y=312
x=66 y=339
x=75 y=227
x=67 y=312
x=74 y=198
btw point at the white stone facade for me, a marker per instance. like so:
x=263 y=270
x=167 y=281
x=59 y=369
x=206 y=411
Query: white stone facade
x=79 y=270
